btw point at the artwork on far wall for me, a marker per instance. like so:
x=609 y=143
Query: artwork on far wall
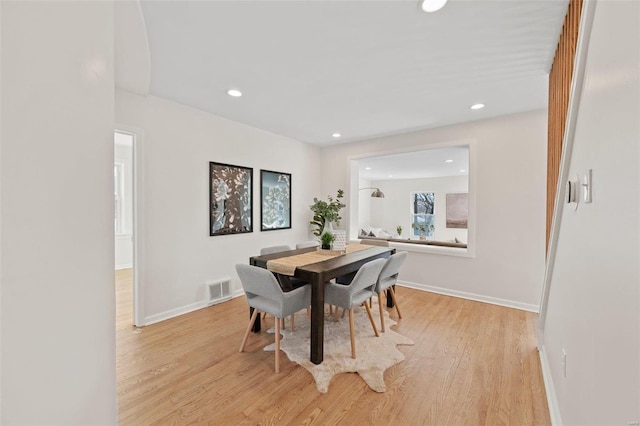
x=457 y=210
x=275 y=196
x=230 y=199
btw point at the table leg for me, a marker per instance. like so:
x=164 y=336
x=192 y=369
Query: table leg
x=256 y=325
x=317 y=319
x=389 y=299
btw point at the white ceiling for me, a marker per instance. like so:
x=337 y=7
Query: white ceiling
x=419 y=164
x=364 y=69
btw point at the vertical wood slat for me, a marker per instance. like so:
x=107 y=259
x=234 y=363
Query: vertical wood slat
x=560 y=77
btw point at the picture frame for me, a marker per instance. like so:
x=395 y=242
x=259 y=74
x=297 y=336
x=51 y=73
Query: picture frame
x=230 y=199
x=275 y=200
x=458 y=210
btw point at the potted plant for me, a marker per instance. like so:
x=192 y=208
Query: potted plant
x=421 y=228
x=399 y=230
x=326 y=238
x=326 y=212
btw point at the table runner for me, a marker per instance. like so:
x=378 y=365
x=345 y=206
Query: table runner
x=287 y=265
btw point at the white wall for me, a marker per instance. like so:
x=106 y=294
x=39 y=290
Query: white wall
x=364 y=201
x=58 y=309
x=594 y=301
x=510 y=209
x=395 y=209
x=179 y=142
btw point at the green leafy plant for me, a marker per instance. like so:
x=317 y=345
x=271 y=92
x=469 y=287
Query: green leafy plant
x=418 y=227
x=327 y=238
x=326 y=211
x=399 y=229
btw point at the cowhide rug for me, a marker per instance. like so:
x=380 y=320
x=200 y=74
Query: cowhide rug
x=373 y=354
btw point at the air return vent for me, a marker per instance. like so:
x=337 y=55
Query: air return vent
x=219 y=291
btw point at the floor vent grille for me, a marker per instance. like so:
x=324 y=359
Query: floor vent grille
x=219 y=291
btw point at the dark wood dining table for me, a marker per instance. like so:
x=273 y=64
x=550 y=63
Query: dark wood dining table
x=317 y=274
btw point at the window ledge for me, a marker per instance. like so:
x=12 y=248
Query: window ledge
x=428 y=246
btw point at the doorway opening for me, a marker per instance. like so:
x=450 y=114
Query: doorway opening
x=124 y=178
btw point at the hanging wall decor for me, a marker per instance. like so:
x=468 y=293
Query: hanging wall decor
x=230 y=199
x=275 y=196
x=457 y=210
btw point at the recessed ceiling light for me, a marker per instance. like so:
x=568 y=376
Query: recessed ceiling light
x=336 y=135
x=448 y=161
x=477 y=106
x=432 y=5
x=390 y=176
x=367 y=168
x=462 y=171
x=235 y=93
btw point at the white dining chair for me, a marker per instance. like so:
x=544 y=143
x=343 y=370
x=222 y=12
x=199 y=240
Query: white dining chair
x=387 y=279
x=356 y=293
x=306 y=244
x=264 y=294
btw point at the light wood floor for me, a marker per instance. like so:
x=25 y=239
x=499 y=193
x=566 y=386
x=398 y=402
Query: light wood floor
x=472 y=364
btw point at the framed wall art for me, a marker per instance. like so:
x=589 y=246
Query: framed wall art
x=230 y=199
x=275 y=200
x=457 y=210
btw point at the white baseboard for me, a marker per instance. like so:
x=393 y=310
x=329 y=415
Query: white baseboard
x=125 y=266
x=472 y=296
x=176 y=312
x=172 y=313
x=552 y=400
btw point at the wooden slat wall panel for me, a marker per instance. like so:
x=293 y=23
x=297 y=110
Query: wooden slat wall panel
x=559 y=91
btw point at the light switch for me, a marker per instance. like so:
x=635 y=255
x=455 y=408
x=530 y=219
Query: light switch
x=586 y=186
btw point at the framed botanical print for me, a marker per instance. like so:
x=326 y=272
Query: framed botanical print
x=230 y=199
x=275 y=200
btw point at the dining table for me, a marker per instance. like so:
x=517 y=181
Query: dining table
x=313 y=266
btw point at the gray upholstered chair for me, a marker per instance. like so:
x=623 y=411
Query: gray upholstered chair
x=388 y=277
x=273 y=249
x=264 y=294
x=357 y=293
x=306 y=244
x=287 y=283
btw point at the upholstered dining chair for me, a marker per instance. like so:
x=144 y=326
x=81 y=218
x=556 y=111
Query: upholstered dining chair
x=388 y=277
x=306 y=244
x=356 y=293
x=264 y=294
x=286 y=283
x=273 y=249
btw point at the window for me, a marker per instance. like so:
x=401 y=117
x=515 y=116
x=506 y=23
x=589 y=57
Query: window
x=422 y=206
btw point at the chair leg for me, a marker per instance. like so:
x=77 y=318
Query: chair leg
x=335 y=315
x=353 y=337
x=373 y=324
x=277 y=345
x=344 y=311
x=395 y=302
x=380 y=308
x=246 y=333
